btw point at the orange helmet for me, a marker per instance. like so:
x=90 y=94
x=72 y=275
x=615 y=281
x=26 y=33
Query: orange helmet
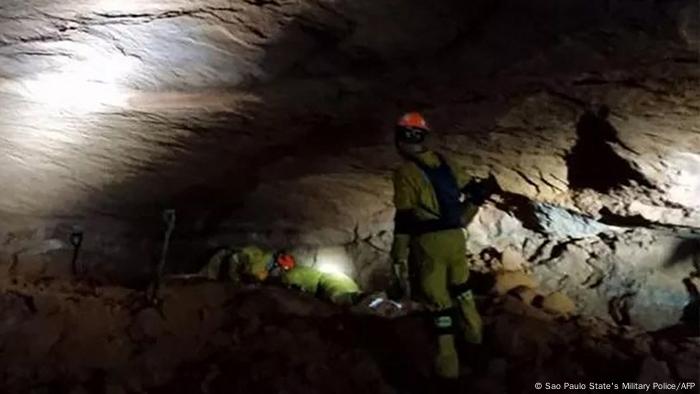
x=285 y=261
x=411 y=128
x=413 y=120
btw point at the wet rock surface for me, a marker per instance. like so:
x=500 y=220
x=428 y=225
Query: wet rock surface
x=211 y=338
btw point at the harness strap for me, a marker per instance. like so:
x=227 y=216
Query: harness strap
x=450 y=211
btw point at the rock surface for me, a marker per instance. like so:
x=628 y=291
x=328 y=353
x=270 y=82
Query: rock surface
x=508 y=281
x=209 y=337
x=270 y=122
x=558 y=303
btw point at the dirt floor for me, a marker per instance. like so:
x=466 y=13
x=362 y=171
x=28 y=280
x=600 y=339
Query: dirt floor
x=71 y=337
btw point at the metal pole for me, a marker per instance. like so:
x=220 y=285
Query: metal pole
x=169 y=219
x=76 y=239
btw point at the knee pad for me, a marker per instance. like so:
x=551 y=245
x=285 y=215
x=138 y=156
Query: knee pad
x=444 y=321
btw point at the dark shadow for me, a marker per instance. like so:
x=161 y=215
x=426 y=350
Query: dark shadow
x=402 y=347
x=689 y=322
x=619 y=308
x=613 y=219
x=522 y=208
x=691 y=311
x=531 y=214
x=481 y=283
x=593 y=163
x=688 y=249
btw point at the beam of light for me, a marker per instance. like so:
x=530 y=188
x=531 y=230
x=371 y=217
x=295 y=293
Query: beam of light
x=83 y=86
x=72 y=92
x=53 y=131
x=334 y=261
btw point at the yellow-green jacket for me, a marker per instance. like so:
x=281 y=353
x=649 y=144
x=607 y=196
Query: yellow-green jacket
x=414 y=193
x=336 y=288
x=250 y=262
x=253 y=263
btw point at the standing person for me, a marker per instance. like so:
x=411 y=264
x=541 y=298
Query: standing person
x=429 y=196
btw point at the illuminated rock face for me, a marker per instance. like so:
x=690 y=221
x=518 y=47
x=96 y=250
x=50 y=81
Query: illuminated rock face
x=270 y=122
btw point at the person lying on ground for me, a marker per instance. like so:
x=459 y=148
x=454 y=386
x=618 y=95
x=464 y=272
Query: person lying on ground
x=252 y=264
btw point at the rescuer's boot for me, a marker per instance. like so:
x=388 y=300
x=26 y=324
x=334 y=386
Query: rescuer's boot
x=446 y=360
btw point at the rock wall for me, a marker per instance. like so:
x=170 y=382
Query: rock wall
x=270 y=122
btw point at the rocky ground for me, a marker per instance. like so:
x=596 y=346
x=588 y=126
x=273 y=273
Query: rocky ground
x=77 y=337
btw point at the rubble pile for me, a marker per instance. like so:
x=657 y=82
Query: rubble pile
x=208 y=337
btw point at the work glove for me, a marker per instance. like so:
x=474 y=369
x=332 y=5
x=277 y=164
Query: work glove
x=400 y=269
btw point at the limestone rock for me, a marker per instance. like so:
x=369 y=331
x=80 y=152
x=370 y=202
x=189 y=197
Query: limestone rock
x=561 y=223
x=511 y=305
x=512 y=260
x=526 y=295
x=507 y=281
x=558 y=303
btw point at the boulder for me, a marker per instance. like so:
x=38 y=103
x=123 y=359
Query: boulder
x=558 y=303
x=562 y=223
x=526 y=295
x=507 y=281
x=513 y=260
x=512 y=305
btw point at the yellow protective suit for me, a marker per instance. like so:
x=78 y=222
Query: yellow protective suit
x=437 y=259
x=253 y=263
x=250 y=262
x=336 y=288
